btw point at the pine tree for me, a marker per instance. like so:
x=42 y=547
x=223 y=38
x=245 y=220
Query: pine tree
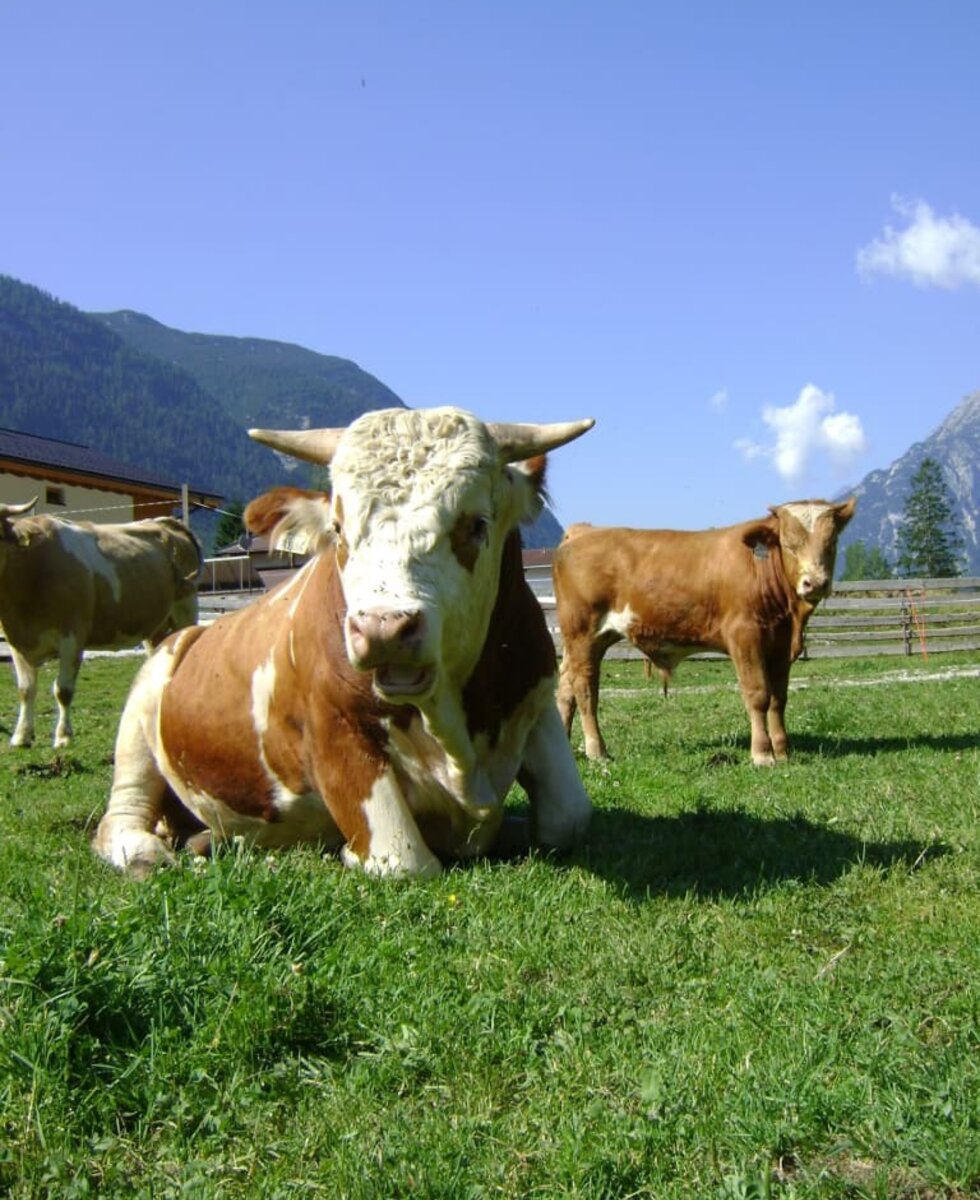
x=230 y=527
x=929 y=538
x=862 y=563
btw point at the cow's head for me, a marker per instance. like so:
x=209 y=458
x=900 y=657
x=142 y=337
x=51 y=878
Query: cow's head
x=9 y=531
x=808 y=532
x=421 y=504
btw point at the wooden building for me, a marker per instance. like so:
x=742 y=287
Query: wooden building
x=82 y=484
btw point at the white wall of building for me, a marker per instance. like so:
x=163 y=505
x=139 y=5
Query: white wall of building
x=80 y=503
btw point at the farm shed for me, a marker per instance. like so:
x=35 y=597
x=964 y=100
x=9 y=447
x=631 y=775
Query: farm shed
x=77 y=482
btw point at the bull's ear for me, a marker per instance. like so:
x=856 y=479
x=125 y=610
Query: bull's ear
x=844 y=512
x=535 y=469
x=313 y=445
x=295 y=520
x=518 y=442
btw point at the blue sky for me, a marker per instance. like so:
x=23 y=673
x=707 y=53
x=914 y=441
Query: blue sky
x=744 y=237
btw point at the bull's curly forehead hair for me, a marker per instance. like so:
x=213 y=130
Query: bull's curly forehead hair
x=405 y=456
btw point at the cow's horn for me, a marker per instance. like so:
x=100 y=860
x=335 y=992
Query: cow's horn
x=314 y=445
x=17 y=510
x=518 y=442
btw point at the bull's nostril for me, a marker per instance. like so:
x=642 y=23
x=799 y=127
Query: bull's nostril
x=385 y=635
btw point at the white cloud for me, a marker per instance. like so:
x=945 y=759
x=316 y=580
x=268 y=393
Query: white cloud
x=719 y=401
x=804 y=430
x=931 y=251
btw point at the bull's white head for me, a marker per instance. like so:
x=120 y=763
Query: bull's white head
x=422 y=502
x=808 y=532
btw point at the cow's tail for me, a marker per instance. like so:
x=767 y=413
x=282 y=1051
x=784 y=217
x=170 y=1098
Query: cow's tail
x=185 y=553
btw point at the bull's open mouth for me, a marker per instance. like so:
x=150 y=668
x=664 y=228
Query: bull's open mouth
x=397 y=679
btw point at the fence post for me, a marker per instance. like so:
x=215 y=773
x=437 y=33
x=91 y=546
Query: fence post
x=906 y=624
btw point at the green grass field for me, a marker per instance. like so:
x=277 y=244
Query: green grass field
x=747 y=983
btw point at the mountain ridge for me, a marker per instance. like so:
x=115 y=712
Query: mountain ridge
x=133 y=388
x=882 y=493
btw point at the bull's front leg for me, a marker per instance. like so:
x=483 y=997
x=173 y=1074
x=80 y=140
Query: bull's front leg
x=382 y=835
x=23 y=734
x=560 y=807
x=444 y=717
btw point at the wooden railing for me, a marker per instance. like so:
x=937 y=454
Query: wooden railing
x=896 y=616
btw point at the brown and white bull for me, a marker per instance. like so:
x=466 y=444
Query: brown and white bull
x=69 y=586
x=382 y=701
x=747 y=590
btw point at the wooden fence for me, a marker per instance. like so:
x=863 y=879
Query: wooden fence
x=872 y=617
x=896 y=616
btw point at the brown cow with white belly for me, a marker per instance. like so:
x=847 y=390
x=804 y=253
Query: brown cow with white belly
x=68 y=586
x=383 y=700
x=747 y=590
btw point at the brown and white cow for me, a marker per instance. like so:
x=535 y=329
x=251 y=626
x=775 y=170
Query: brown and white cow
x=69 y=586
x=747 y=590
x=383 y=700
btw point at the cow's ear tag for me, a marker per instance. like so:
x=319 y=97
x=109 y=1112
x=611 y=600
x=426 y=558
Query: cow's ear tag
x=760 y=550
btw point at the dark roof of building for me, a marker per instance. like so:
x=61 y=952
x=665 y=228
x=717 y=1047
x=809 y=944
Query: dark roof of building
x=32 y=450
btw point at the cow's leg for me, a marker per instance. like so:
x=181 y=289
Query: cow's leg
x=23 y=734
x=560 y=807
x=779 y=681
x=184 y=611
x=383 y=838
x=69 y=664
x=566 y=695
x=756 y=695
x=584 y=657
x=125 y=836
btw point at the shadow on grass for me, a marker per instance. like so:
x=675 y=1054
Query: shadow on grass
x=717 y=854
x=830 y=745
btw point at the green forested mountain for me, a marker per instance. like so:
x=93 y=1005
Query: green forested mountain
x=181 y=403
x=66 y=375
x=270 y=384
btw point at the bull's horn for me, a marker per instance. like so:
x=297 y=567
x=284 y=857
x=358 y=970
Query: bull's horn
x=313 y=445
x=17 y=510
x=518 y=442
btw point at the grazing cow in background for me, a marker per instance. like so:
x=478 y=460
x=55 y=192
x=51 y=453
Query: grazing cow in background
x=66 y=587
x=747 y=590
x=382 y=700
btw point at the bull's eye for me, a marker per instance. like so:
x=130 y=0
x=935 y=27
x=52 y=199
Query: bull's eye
x=339 y=543
x=469 y=534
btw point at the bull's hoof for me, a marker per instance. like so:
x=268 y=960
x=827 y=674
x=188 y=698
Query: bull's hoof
x=513 y=839
x=199 y=844
x=392 y=866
